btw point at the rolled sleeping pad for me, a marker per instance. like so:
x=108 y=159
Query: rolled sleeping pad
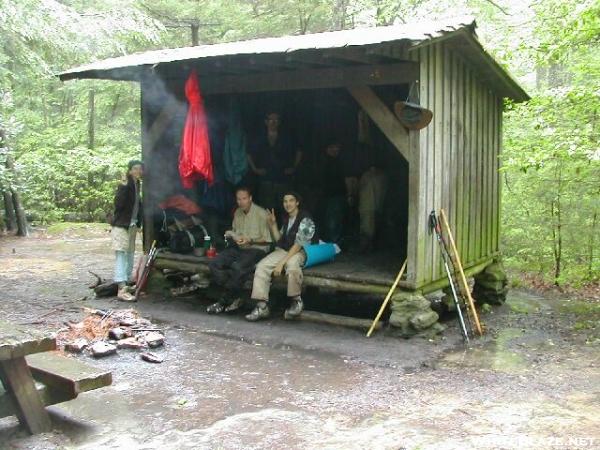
x=319 y=254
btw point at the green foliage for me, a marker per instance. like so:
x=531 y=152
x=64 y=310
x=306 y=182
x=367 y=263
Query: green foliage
x=46 y=122
x=551 y=158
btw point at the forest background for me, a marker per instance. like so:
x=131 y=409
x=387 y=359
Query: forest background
x=62 y=145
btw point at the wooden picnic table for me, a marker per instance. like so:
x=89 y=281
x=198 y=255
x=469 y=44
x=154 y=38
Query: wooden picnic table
x=16 y=342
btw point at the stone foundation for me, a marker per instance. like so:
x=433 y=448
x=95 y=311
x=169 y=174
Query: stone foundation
x=491 y=284
x=412 y=315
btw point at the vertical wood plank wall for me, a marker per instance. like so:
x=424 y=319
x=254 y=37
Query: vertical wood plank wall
x=458 y=161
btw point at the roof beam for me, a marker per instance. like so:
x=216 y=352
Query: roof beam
x=383 y=118
x=334 y=77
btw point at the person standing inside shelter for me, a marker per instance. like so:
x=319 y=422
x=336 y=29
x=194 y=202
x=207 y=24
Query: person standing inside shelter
x=338 y=188
x=251 y=241
x=298 y=229
x=127 y=220
x=274 y=162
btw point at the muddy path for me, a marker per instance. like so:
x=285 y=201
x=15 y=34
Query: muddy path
x=533 y=382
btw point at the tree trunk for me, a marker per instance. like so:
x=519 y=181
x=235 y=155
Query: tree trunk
x=115 y=106
x=557 y=226
x=12 y=202
x=91 y=119
x=11 y=217
x=340 y=14
x=591 y=246
x=195 y=40
x=20 y=211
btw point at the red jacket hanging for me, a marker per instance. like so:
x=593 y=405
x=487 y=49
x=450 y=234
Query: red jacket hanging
x=195 y=161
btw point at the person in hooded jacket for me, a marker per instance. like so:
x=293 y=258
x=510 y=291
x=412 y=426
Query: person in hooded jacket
x=127 y=220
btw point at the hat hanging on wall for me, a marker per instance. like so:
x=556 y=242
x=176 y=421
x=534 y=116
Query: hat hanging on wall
x=412 y=115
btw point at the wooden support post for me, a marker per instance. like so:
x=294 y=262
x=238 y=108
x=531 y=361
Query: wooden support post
x=30 y=410
x=387 y=299
x=383 y=118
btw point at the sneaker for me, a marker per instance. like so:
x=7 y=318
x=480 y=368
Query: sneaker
x=260 y=312
x=235 y=305
x=295 y=308
x=125 y=296
x=215 y=308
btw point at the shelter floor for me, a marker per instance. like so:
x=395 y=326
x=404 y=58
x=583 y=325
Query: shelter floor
x=377 y=268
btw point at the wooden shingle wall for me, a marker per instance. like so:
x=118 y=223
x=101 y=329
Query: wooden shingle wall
x=457 y=163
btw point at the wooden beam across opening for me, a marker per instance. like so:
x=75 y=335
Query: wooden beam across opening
x=383 y=117
x=400 y=73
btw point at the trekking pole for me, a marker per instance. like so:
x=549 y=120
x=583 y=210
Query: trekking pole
x=435 y=226
x=387 y=298
x=143 y=277
x=453 y=270
x=458 y=265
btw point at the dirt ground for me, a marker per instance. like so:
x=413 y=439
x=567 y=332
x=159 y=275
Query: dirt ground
x=532 y=382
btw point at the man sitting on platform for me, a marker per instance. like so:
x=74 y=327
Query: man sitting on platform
x=298 y=230
x=250 y=241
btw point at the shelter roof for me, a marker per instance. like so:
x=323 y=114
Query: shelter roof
x=359 y=46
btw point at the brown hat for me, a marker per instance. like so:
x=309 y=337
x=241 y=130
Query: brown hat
x=412 y=115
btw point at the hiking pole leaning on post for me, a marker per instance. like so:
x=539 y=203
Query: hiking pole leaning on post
x=457 y=263
x=435 y=226
x=147 y=266
x=387 y=298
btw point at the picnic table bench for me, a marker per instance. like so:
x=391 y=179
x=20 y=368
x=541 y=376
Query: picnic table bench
x=34 y=377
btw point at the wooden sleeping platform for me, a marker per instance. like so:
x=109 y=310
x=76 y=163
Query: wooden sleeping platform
x=362 y=274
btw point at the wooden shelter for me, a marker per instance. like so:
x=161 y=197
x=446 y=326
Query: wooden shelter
x=452 y=163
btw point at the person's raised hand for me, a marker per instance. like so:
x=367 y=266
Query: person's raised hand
x=271 y=219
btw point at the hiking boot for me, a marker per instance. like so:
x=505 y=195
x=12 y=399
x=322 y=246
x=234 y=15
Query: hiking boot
x=260 y=312
x=216 y=308
x=131 y=289
x=125 y=296
x=235 y=305
x=295 y=308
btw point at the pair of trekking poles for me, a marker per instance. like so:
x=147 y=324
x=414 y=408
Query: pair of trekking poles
x=460 y=290
x=456 y=277
x=143 y=276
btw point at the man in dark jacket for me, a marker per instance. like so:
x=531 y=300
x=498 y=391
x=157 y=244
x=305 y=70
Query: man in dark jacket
x=338 y=185
x=127 y=219
x=274 y=161
x=298 y=230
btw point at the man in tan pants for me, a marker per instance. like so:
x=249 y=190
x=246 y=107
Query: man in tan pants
x=298 y=230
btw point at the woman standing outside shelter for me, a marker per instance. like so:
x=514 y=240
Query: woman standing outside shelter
x=127 y=219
